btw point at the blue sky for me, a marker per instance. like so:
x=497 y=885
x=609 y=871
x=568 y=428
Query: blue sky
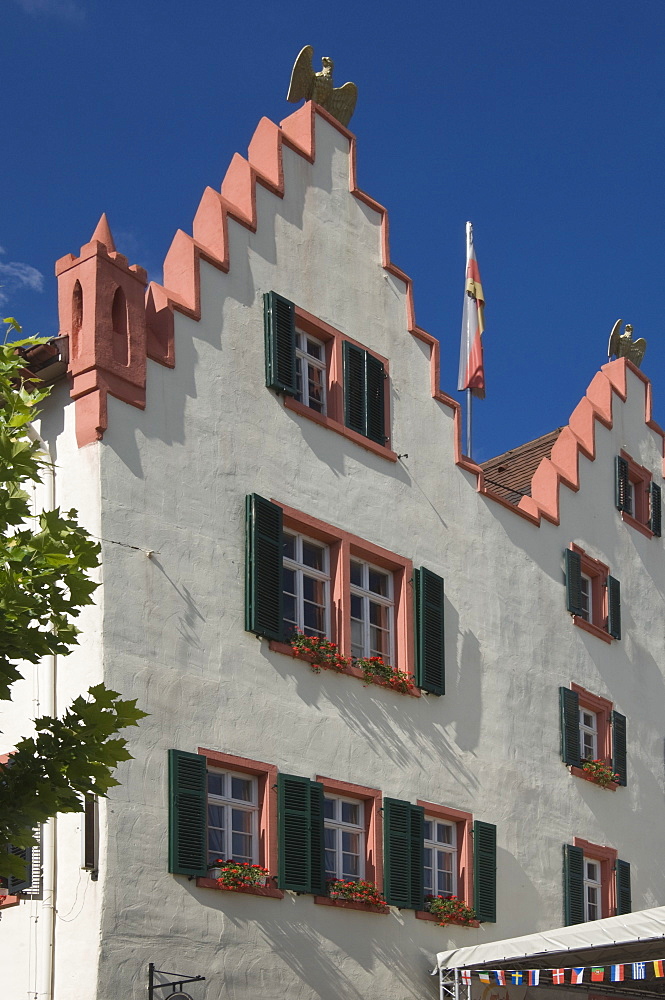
x=541 y=122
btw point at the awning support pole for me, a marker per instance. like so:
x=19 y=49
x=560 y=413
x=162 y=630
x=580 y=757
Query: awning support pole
x=449 y=984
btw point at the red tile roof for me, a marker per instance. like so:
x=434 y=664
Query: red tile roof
x=509 y=476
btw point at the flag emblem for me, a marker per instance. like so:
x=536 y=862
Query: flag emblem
x=577 y=976
x=484 y=977
x=639 y=970
x=617 y=974
x=558 y=976
x=471 y=368
x=534 y=977
x=500 y=977
x=597 y=973
x=516 y=977
x=658 y=969
x=466 y=977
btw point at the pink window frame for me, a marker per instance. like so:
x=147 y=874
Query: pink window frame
x=597 y=573
x=464 y=827
x=332 y=340
x=371 y=799
x=267 y=795
x=641 y=480
x=342 y=547
x=602 y=708
x=606 y=857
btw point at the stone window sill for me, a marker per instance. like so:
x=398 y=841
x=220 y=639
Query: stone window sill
x=593 y=629
x=287 y=650
x=579 y=772
x=637 y=525
x=7 y=901
x=426 y=915
x=247 y=890
x=334 y=425
x=350 y=904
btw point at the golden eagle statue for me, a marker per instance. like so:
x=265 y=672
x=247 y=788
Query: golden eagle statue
x=340 y=102
x=623 y=345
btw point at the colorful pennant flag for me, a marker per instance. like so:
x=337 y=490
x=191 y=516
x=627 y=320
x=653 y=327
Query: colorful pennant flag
x=558 y=976
x=484 y=977
x=471 y=368
x=500 y=977
x=517 y=977
x=639 y=970
x=617 y=974
x=597 y=973
x=534 y=977
x=576 y=976
x=658 y=969
x=466 y=977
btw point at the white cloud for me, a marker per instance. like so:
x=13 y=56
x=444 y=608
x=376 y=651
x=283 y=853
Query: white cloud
x=15 y=275
x=71 y=10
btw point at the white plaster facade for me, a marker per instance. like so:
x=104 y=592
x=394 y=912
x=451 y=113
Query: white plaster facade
x=164 y=489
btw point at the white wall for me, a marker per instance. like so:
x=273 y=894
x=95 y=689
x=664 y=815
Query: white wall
x=173 y=480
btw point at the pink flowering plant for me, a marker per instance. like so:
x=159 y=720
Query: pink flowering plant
x=358 y=892
x=375 y=671
x=321 y=653
x=238 y=874
x=601 y=772
x=450 y=910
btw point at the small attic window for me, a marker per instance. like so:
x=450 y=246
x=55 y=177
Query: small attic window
x=636 y=496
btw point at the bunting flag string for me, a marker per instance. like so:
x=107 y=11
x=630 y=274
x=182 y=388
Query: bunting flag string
x=573 y=976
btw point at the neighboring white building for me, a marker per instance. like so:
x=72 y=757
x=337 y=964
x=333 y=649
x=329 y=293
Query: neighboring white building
x=265 y=443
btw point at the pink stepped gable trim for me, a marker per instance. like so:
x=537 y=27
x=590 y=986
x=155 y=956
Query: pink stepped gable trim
x=209 y=242
x=579 y=437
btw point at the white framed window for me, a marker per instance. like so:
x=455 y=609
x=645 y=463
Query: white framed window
x=586 y=590
x=344 y=838
x=440 y=858
x=311 y=371
x=372 y=608
x=592 y=890
x=233 y=817
x=588 y=734
x=306 y=585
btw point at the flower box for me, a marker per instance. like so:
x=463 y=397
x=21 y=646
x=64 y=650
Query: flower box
x=451 y=910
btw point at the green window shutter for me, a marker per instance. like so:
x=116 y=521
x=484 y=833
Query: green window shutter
x=376 y=380
x=624 y=902
x=619 y=748
x=300 y=834
x=430 y=651
x=13 y=884
x=263 y=568
x=573 y=884
x=573 y=582
x=654 y=521
x=614 y=607
x=484 y=871
x=355 y=388
x=569 y=706
x=279 y=321
x=187 y=813
x=622 y=485
x=417 y=838
x=397 y=852
x=317 y=839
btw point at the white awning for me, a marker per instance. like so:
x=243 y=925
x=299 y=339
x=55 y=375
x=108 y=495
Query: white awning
x=633 y=937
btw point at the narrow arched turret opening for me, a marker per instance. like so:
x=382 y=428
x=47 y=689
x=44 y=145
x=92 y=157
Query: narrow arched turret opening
x=77 y=319
x=120 y=327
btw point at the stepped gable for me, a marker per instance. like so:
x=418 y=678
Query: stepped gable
x=579 y=438
x=509 y=475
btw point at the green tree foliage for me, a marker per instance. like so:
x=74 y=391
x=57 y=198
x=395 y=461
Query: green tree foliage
x=45 y=565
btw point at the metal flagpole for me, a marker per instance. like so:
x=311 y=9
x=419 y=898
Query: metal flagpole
x=469 y=397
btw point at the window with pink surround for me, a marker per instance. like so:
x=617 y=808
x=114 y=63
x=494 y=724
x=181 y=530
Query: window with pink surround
x=448 y=854
x=342 y=588
x=242 y=815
